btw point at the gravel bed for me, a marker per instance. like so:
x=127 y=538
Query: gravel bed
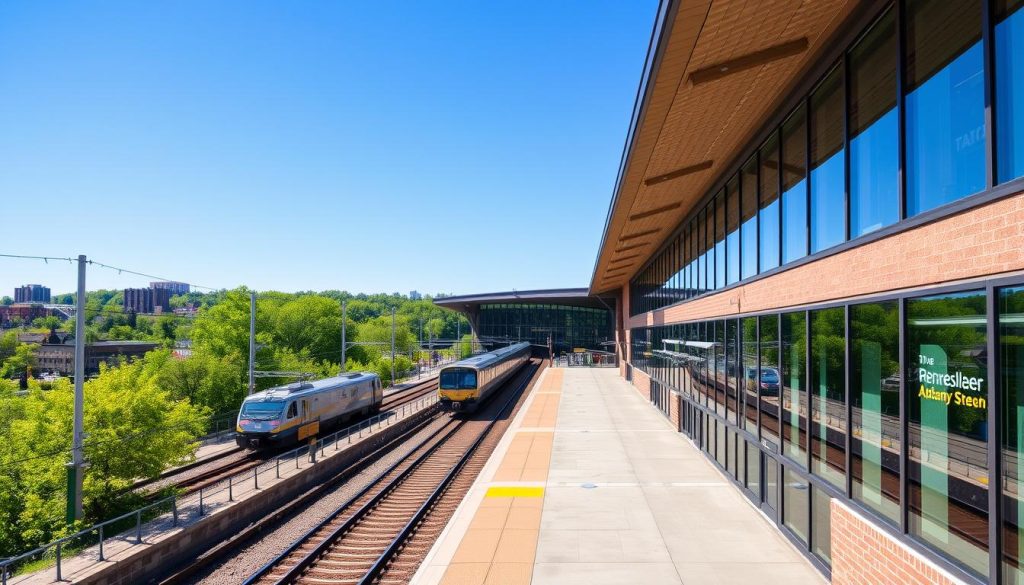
x=252 y=555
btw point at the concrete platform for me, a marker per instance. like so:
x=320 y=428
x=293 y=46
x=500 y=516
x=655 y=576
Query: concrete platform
x=592 y=485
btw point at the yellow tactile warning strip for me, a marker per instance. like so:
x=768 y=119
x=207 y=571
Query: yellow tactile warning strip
x=499 y=546
x=512 y=491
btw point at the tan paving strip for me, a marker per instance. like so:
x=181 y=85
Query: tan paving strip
x=500 y=544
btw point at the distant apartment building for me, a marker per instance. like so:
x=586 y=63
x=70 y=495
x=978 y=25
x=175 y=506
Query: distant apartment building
x=147 y=300
x=60 y=358
x=415 y=295
x=175 y=288
x=32 y=293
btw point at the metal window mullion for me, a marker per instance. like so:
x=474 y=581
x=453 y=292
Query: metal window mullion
x=988 y=47
x=845 y=64
x=809 y=457
x=995 y=504
x=901 y=112
x=848 y=403
x=904 y=412
x=807 y=174
x=757 y=384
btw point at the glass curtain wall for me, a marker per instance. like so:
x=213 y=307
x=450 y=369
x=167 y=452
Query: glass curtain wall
x=792 y=366
x=795 y=193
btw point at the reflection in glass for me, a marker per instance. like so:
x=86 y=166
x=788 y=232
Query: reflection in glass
x=1011 y=362
x=828 y=398
x=748 y=219
x=720 y=241
x=794 y=386
x=874 y=398
x=753 y=469
x=770 y=378
x=768 y=222
x=718 y=375
x=828 y=165
x=794 y=186
x=821 y=534
x=795 y=504
x=947 y=385
x=874 y=198
x=1009 y=74
x=945 y=118
x=732 y=230
x=731 y=368
x=748 y=372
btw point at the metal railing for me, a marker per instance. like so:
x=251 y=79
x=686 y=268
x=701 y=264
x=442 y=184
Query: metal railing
x=191 y=507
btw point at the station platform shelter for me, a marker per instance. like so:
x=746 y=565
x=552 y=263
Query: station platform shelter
x=592 y=486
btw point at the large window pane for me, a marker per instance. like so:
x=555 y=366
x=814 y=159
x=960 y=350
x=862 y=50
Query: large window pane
x=719 y=371
x=948 y=383
x=828 y=402
x=874 y=197
x=794 y=186
x=1011 y=385
x=828 y=202
x=748 y=372
x=794 y=386
x=732 y=230
x=770 y=378
x=748 y=219
x=945 y=133
x=720 y=241
x=821 y=533
x=768 y=223
x=753 y=480
x=1009 y=75
x=795 y=504
x=874 y=398
x=731 y=369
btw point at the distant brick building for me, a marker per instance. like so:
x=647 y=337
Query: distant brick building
x=23 y=313
x=147 y=300
x=175 y=288
x=32 y=293
x=60 y=358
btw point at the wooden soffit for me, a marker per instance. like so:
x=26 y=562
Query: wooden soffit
x=721 y=68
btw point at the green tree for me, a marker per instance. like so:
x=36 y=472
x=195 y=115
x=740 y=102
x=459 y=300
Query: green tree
x=49 y=323
x=134 y=429
x=311 y=324
x=21 y=362
x=6 y=301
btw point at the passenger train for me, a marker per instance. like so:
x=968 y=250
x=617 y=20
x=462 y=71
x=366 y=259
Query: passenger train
x=463 y=385
x=293 y=413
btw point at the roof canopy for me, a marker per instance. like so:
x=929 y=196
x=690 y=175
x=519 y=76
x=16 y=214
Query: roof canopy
x=716 y=71
x=572 y=297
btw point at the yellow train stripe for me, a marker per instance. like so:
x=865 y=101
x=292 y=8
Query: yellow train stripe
x=514 y=492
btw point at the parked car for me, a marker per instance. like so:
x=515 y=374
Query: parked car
x=769 y=383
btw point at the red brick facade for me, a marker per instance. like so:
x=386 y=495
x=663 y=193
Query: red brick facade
x=861 y=553
x=675 y=410
x=642 y=383
x=982 y=242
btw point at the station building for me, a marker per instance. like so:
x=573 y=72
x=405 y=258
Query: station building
x=561 y=320
x=813 y=265
x=817 y=237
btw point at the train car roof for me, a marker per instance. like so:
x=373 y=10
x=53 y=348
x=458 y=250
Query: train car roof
x=486 y=359
x=301 y=389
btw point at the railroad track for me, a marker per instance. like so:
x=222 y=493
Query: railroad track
x=366 y=538
x=238 y=460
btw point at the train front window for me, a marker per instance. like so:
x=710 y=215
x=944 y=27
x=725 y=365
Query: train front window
x=458 y=379
x=262 y=410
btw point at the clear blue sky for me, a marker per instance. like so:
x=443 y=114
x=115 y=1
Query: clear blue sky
x=373 y=146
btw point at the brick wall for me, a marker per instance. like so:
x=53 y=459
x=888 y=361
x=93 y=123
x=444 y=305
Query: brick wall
x=982 y=242
x=861 y=553
x=642 y=383
x=674 y=410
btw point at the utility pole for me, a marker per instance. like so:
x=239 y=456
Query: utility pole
x=76 y=470
x=458 y=337
x=343 y=344
x=392 y=346
x=252 y=342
